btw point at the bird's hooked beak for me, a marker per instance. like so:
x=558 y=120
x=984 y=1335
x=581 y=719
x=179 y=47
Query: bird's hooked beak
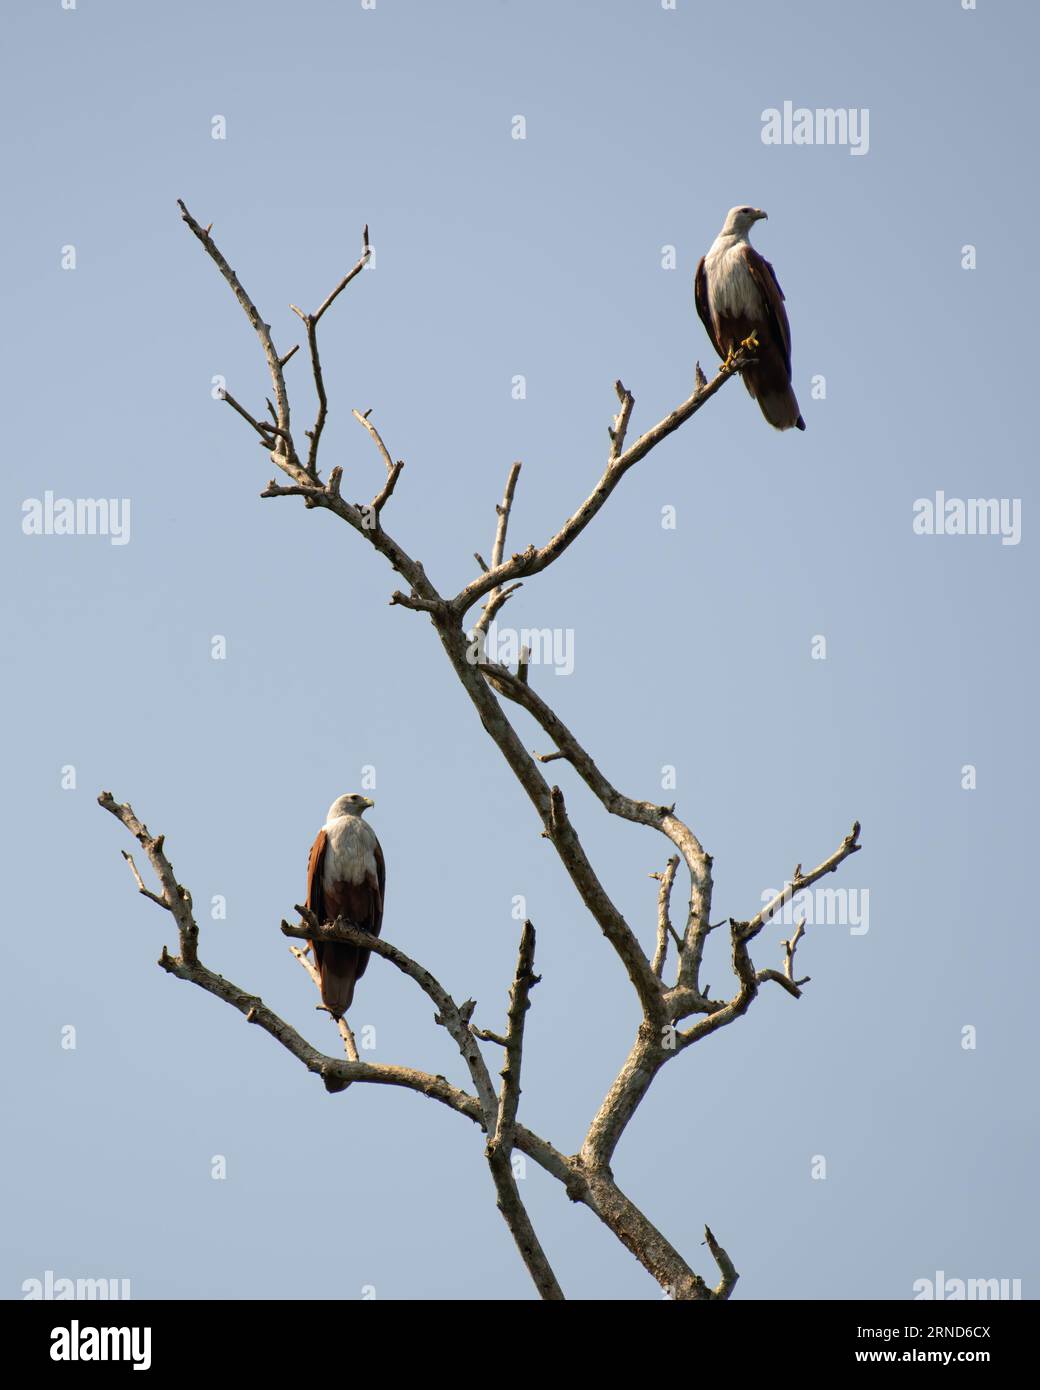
x=759 y=215
x=368 y=802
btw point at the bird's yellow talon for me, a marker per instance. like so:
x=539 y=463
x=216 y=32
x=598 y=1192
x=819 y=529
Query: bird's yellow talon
x=750 y=342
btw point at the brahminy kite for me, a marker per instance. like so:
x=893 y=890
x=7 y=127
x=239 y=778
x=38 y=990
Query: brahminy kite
x=346 y=877
x=741 y=304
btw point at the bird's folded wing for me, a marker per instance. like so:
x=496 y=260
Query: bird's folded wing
x=772 y=299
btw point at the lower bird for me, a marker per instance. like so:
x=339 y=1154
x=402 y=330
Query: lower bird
x=741 y=304
x=346 y=877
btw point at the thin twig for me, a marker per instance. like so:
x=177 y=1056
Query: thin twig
x=664 y=924
x=727 y=1269
x=524 y=980
x=262 y=329
x=498 y=595
x=147 y=892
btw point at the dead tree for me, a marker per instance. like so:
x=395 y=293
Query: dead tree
x=673 y=1016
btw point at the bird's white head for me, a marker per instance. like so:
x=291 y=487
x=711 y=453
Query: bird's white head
x=353 y=804
x=739 y=221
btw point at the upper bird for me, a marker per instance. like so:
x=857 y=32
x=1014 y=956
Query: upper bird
x=739 y=298
x=346 y=877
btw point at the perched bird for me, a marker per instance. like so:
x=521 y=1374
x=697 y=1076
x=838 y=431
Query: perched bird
x=346 y=877
x=741 y=304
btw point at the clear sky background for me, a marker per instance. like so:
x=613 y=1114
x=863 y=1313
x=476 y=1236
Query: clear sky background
x=498 y=257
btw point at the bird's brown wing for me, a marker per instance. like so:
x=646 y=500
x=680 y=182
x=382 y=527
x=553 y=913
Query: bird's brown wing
x=700 y=295
x=381 y=879
x=768 y=286
x=316 y=886
x=362 y=904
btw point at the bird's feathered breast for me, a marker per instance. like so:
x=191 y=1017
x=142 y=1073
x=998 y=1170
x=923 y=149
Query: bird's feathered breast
x=734 y=282
x=351 y=850
x=732 y=288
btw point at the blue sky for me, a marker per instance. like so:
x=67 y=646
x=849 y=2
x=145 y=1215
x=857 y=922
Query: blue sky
x=540 y=257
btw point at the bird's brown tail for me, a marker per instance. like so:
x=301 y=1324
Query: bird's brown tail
x=779 y=407
x=339 y=971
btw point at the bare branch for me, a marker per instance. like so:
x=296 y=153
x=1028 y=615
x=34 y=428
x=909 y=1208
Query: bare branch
x=790 y=947
x=262 y=329
x=500 y=1144
x=387 y=491
x=175 y=899
x=850 y=845
x=620 y=427
x=284 y=451
x=787 y=980
x=551 y=809
x=639 y=1235
x=447 y=1010
x=498 y=596
x=524 y=981
x=726 y=1284
x=310 y=491
x=357 y=268
x=664 y=924
x=154 y=897
x=499 y=1117
x=686 y=997
x=523 y=694
x=719 y=1014
x=266 y=432
x=646 y=1058
x=414 y=602
x=534 y=559
x=496 y=601
x=503 y=509
x=310 y=323
x=613 y=925
x=314 y=434
x=376 y=436
x=775 y=977
x=486 y=1035
x=393 y=470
